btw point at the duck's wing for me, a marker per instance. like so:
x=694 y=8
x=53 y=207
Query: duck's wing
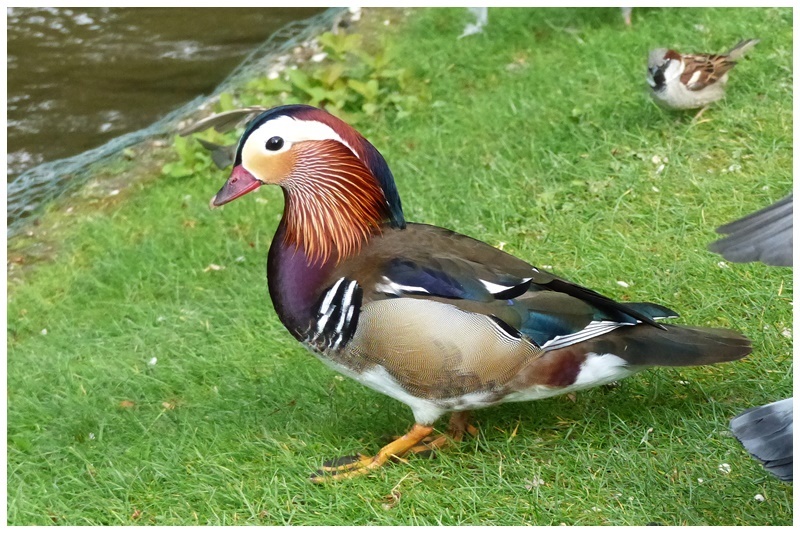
x=431 y=263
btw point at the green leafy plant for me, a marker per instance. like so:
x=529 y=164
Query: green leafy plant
x=191 y=159
x=349 y=80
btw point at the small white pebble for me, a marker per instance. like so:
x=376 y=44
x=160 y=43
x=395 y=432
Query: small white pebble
x=239 y=259
x=700 y=480
x=660 y=169
x=548 y=267
x=114 y=192
x=734 y=168
x=214 y=267
x=655 y=189
x=316 y=58
x=533 y=483
x=765 y=188
x=91 y=436
x=595 y=509
x=273 y=75
x=44 y=331
x=723 y=264
x=386 y=22
x=759 y=497
x=787 y=333
x=623 y=284
x=683 y=382
x=725 y=468
x=152 y=362
x=656 y=160
x=160 y=319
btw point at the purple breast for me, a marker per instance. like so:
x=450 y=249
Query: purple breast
x=294 y=285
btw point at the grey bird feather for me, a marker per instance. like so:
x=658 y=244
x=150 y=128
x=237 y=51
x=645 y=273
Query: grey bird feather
x=765 y=236
x=767 y=433
x=225 y=121
x=222 y=155
x=741 y=48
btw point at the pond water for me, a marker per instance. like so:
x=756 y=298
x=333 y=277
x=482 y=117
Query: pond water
x=78 y=77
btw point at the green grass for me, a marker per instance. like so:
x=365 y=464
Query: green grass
x=553 y=156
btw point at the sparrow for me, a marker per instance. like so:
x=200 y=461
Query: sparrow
x=691 y=81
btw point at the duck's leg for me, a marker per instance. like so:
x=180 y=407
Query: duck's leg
x=456 y=428
x=347 y=467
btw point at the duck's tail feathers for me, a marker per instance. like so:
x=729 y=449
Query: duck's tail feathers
x=673 y=345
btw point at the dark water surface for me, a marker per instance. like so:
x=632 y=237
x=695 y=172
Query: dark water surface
x=78 y=77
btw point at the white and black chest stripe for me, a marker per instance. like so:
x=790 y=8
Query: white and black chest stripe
x=336 y=319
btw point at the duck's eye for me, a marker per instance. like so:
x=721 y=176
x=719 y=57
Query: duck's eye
x=274 y=144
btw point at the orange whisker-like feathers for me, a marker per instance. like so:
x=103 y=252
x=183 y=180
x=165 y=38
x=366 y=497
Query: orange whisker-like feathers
x=334 y=203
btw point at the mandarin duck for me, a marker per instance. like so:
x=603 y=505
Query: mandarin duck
x=691 y=81
x=767 y=431
x=439 y=321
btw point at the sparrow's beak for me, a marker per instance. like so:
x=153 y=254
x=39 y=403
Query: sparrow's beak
x=240 y=183
x=651 y=73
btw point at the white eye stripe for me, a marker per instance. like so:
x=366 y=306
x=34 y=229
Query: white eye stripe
x=292 y=131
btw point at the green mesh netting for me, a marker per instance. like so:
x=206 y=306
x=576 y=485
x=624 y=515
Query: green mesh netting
x=31 y=191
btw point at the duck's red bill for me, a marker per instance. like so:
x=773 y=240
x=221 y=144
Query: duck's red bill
x=240 y=183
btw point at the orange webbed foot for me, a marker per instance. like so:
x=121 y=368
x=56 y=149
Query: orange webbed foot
x=348 y=467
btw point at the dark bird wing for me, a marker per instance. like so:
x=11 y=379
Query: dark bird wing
x=765 y=236
x=225 y=121
x=767 y=432
x=222 y=155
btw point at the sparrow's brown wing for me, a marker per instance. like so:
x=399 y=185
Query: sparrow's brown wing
x=702 y=70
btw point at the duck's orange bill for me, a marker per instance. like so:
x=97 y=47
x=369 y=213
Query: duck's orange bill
x=240 y=183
